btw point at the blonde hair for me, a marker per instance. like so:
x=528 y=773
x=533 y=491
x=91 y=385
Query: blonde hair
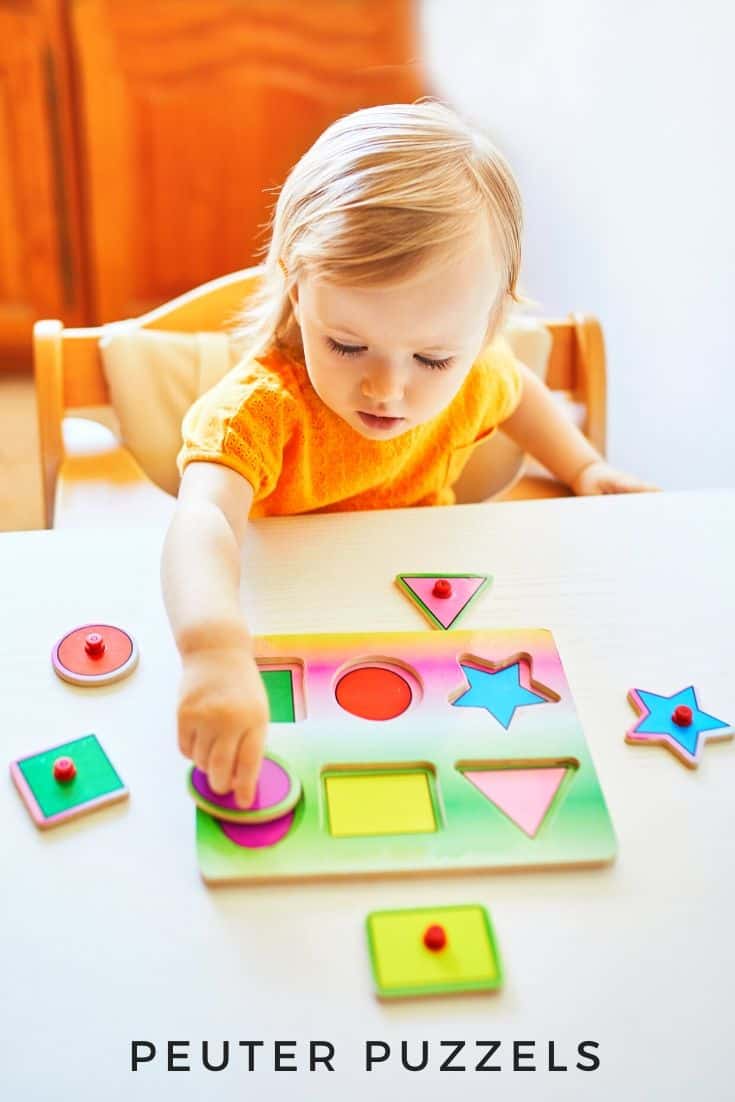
x=376 y=192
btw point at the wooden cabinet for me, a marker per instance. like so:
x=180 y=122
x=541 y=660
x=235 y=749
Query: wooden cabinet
x=137 y=139
x=41 y=266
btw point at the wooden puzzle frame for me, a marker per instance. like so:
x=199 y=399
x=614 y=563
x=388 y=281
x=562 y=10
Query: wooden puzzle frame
x=432 y=734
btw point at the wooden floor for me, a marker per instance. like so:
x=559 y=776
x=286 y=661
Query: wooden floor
x=20 y=478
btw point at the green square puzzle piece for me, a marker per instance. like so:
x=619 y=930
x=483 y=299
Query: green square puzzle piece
x=403 y=965
x=279 y=688
x=49 y=801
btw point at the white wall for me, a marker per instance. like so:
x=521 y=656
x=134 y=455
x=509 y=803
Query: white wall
x=618 y=121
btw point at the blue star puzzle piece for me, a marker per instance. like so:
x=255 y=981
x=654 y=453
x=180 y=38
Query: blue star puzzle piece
x=657 y=724
x=498 y=691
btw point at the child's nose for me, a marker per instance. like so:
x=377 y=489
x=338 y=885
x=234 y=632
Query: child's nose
x=383 y=385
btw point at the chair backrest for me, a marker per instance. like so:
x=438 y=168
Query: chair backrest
x=68 y=367
x=69 y=375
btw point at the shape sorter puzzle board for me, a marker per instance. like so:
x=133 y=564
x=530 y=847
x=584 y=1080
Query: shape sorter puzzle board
x=419 y=752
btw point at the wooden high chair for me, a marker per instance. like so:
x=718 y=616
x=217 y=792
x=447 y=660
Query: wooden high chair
x=91 y=480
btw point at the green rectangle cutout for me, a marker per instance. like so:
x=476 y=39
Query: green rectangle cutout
x=279 y=687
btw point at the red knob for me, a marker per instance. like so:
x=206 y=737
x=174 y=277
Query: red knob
x=442 y=588
x=94 y=645
x=682 y=716
x=435 y=938
x=64 y=770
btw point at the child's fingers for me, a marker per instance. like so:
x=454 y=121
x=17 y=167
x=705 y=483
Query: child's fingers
x=221 y=764
x=626 y=485
x=247 y=766
x=203 y=741
x=186 y=735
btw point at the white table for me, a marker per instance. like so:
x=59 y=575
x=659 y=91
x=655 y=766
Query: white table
x=109 y=935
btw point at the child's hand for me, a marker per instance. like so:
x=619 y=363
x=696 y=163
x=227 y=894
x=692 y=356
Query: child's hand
x=223 y=718
x=600 y=478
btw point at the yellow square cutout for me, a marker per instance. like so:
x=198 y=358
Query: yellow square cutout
x=373 y=802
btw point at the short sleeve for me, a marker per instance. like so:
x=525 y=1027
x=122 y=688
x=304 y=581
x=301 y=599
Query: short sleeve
x=503 y=381
x=244 y=423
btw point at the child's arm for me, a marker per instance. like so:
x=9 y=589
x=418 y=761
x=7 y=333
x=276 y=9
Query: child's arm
x=223 y=708
x=539 y=427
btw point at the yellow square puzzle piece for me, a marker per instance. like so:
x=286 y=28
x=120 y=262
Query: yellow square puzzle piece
x=403 y=965
x=372 y=802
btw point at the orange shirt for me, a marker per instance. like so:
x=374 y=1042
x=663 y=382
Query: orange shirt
x=265 y=421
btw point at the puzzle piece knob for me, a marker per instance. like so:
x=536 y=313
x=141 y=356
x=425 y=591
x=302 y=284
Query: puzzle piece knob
x=442 y=588
x=682 y=716
x=64 y=770
x=94 y=644
x=435 y=938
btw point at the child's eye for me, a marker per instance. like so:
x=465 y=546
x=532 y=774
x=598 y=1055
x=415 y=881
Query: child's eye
x=438 y=364
x=344 y=349
x=356 y=349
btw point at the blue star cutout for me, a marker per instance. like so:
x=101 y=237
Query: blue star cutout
x=657 y=724
x=498 y=691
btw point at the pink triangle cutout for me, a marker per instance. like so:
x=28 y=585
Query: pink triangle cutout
x=446 y=609
x=524 y=795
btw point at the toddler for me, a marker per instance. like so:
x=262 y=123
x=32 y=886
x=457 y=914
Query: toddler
x=372 y=362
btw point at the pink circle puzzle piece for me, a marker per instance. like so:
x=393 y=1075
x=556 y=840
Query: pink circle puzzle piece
x=277 y=792
x=273 y=786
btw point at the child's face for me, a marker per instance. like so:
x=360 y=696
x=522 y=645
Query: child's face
x=389 y=358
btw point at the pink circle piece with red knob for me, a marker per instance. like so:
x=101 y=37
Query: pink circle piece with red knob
x=435 y=938
x=442 y=588
x=682 y=716
x=64 y=770
x=94 y=654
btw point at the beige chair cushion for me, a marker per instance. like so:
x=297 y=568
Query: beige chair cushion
x=155 y=375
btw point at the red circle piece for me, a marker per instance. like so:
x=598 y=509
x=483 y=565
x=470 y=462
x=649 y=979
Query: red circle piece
x=682 y=716
x=64 y=769
x=435 y=938
x=442 y=588
x=74 y=656
x=373 y=692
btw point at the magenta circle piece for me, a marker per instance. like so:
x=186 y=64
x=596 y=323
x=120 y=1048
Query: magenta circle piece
x=258 y=835
x=273 y=786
